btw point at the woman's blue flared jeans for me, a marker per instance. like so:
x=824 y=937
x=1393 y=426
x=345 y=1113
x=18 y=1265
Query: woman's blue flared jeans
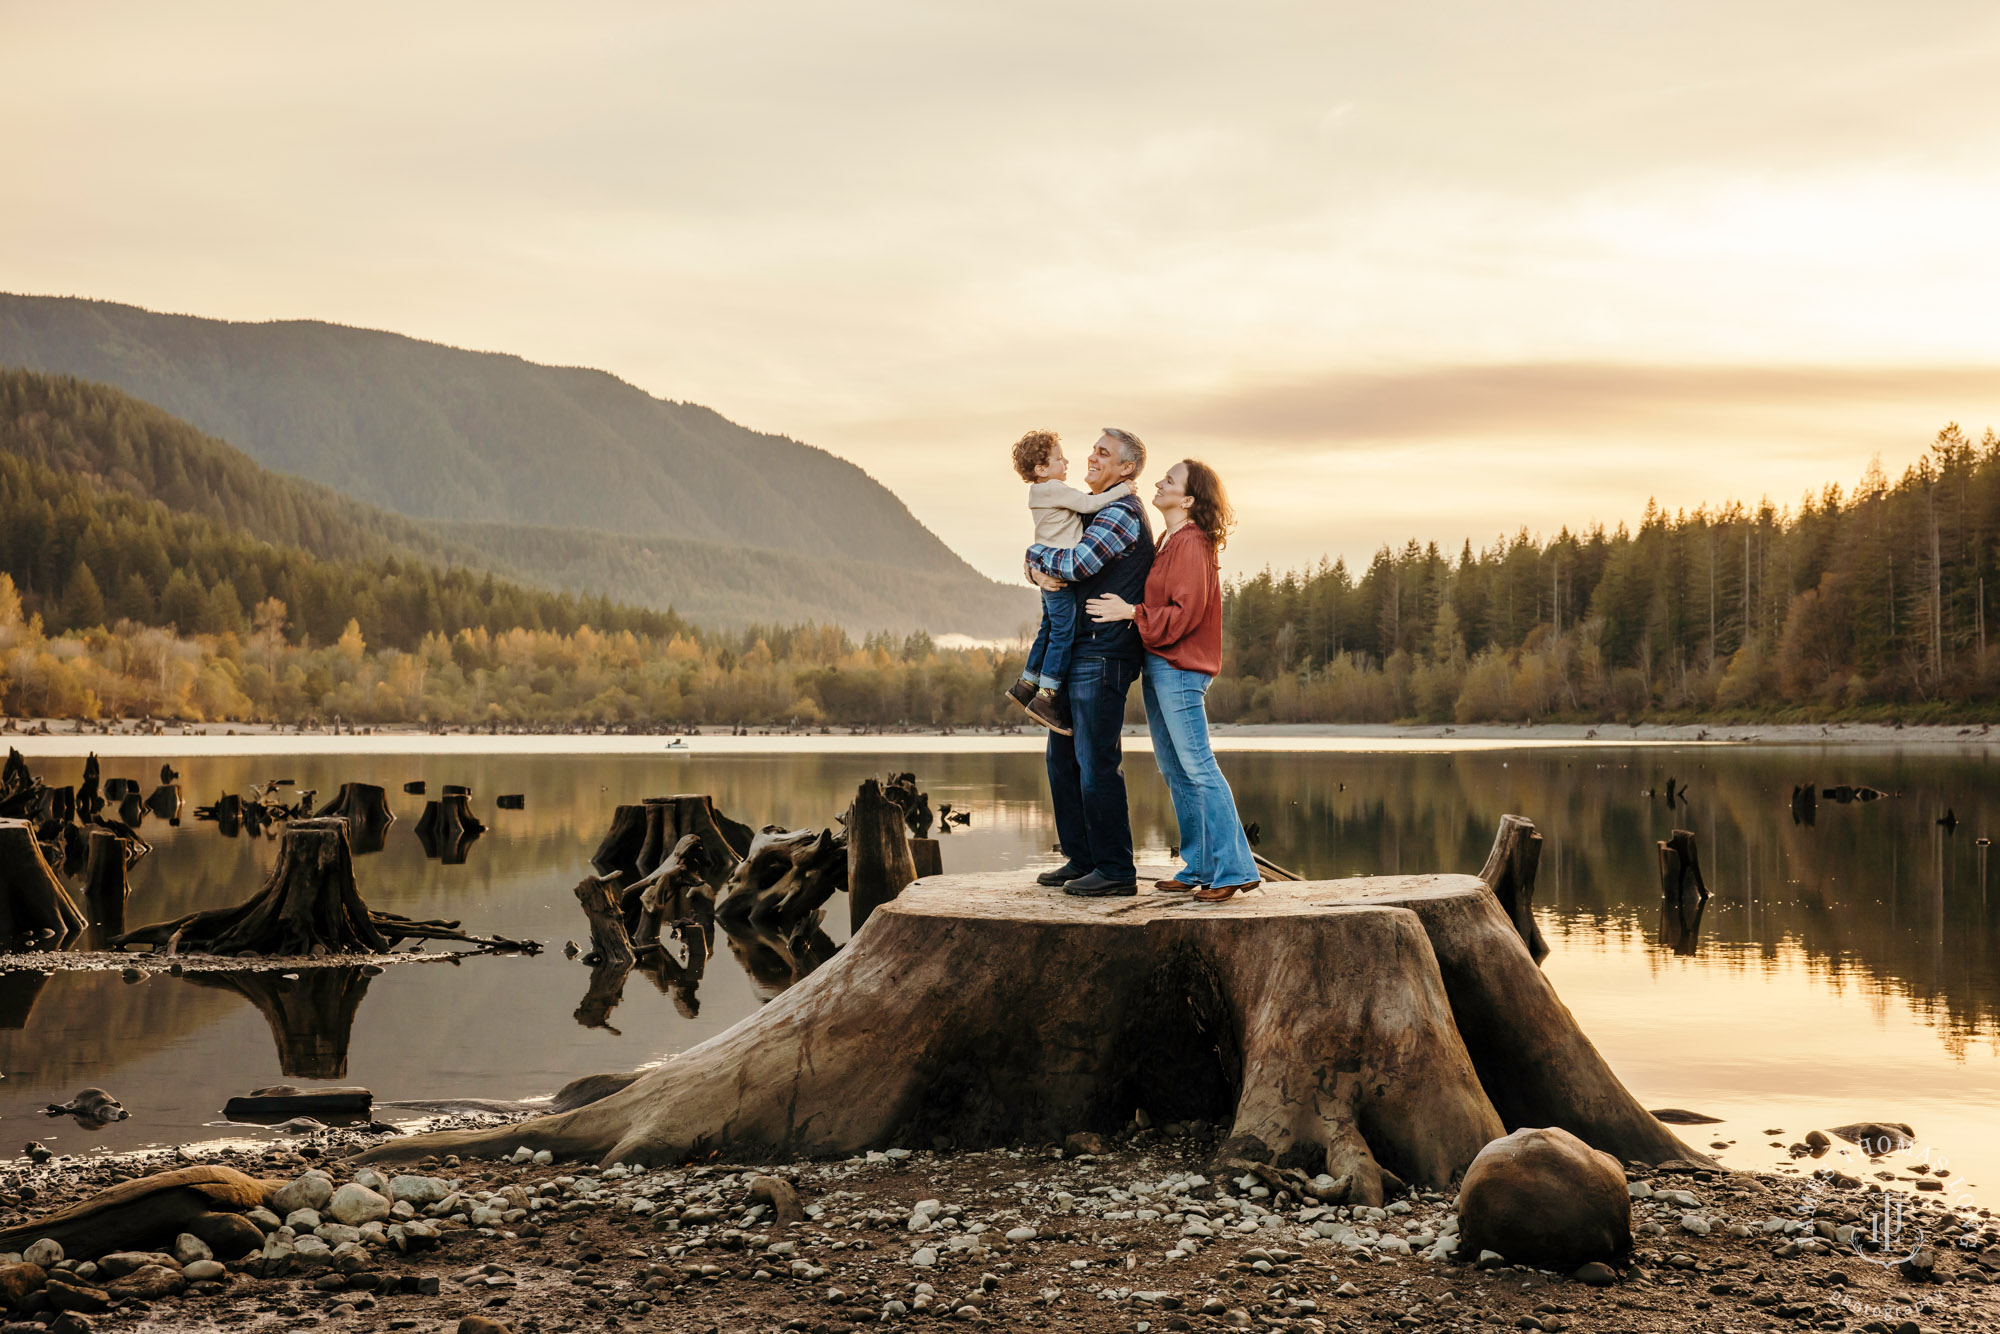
x=1213 y=845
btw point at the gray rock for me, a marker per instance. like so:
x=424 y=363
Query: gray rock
x=204 y=1271
x=355 y=1205
x=303 y=1220
x=188 y=1248
x=45 y=1253
x=310 y=1191
x=369 y=1179
x=265 y=1219
x=417 y=1190
x=924 y=1258
x=120 y=1263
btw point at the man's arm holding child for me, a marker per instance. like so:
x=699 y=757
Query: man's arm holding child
x=1061 y=495
x=1108 y=534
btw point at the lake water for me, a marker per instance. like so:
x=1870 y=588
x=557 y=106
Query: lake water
x=1843 y=971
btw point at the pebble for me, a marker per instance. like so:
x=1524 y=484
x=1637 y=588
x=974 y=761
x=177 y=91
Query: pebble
x=924 y=1258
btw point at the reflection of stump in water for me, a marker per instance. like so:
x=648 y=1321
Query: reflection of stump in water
x=779 y=957
x=33 y=903
x=1683 y=893
x=19 y=990
x=677 y=979
x=365 y=807
x=311 y=1019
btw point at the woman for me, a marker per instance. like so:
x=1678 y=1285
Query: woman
x=1180 y=623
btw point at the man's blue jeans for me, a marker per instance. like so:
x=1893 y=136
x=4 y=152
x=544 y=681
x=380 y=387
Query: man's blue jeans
x=1048 y=660
x=1086 y=773
x=1213 y=845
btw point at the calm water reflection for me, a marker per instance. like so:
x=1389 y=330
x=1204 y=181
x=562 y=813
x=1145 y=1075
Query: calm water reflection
x=1841 y=971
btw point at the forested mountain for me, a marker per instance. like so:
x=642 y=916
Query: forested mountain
x=508 y=450
x=1875 y=598
x=90 y=533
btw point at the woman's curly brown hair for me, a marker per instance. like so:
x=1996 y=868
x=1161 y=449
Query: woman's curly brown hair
x=1210 y=511
x=1032 y=450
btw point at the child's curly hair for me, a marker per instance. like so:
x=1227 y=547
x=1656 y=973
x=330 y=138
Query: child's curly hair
x=1032 y=450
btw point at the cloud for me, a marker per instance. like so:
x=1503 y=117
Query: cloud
x=1571 y=399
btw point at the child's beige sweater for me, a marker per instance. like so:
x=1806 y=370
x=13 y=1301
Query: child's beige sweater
x=1058 y=509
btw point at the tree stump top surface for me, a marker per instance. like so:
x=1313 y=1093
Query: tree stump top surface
x=1014 y=896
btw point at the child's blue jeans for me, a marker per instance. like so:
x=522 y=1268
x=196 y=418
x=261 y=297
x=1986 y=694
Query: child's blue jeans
x=1048 y=660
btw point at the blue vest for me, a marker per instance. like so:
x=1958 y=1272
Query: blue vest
x=1124 y=574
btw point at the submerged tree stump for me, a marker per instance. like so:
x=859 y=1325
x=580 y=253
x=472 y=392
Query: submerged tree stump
x=308 y=906
x=365 y=807
x=448 y=827
x=677 y=891
x=33 y=902
x=788 y=874
x=1510 y=873
x=641 y=836
x=105 y=886
x=609 y=944
x=879 y=863
x=1683 y=893
x=1380 y=1030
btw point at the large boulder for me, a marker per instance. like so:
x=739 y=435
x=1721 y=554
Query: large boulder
x=355 y=1205
x=1543 y=1197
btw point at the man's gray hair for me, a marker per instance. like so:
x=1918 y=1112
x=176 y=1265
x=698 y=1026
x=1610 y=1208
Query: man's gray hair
x=1131 y=449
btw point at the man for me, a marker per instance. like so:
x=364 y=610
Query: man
x=1086 y=773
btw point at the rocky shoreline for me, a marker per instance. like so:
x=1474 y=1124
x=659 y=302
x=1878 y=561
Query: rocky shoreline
x=1126 y=1235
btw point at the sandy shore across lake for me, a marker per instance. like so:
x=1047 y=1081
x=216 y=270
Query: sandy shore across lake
x=220 y=739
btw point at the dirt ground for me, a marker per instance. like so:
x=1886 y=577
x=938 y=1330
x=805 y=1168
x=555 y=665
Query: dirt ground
x=1032 y=1238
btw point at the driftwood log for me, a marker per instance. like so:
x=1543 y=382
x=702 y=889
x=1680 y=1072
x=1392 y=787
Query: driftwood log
x=34 y=905
x=146 y=1214
x=879 y=863
x=282 y=1101
x=1381 y=1031
x=1510 y=873
x=309 y=906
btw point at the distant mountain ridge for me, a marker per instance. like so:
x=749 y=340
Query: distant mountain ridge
x=561 y=476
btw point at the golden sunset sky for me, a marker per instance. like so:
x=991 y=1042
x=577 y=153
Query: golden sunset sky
x=1398 y=269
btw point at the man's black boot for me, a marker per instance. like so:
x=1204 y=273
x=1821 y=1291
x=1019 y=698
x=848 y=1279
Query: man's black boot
x=1095 y=886
x=1060 y=876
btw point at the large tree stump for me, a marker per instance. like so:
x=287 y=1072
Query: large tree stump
x=879 y=863
x=1510 y=873
x=33 y=903
x=1376 y=1030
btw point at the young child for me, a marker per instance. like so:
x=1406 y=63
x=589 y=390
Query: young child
x=1058 y=509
